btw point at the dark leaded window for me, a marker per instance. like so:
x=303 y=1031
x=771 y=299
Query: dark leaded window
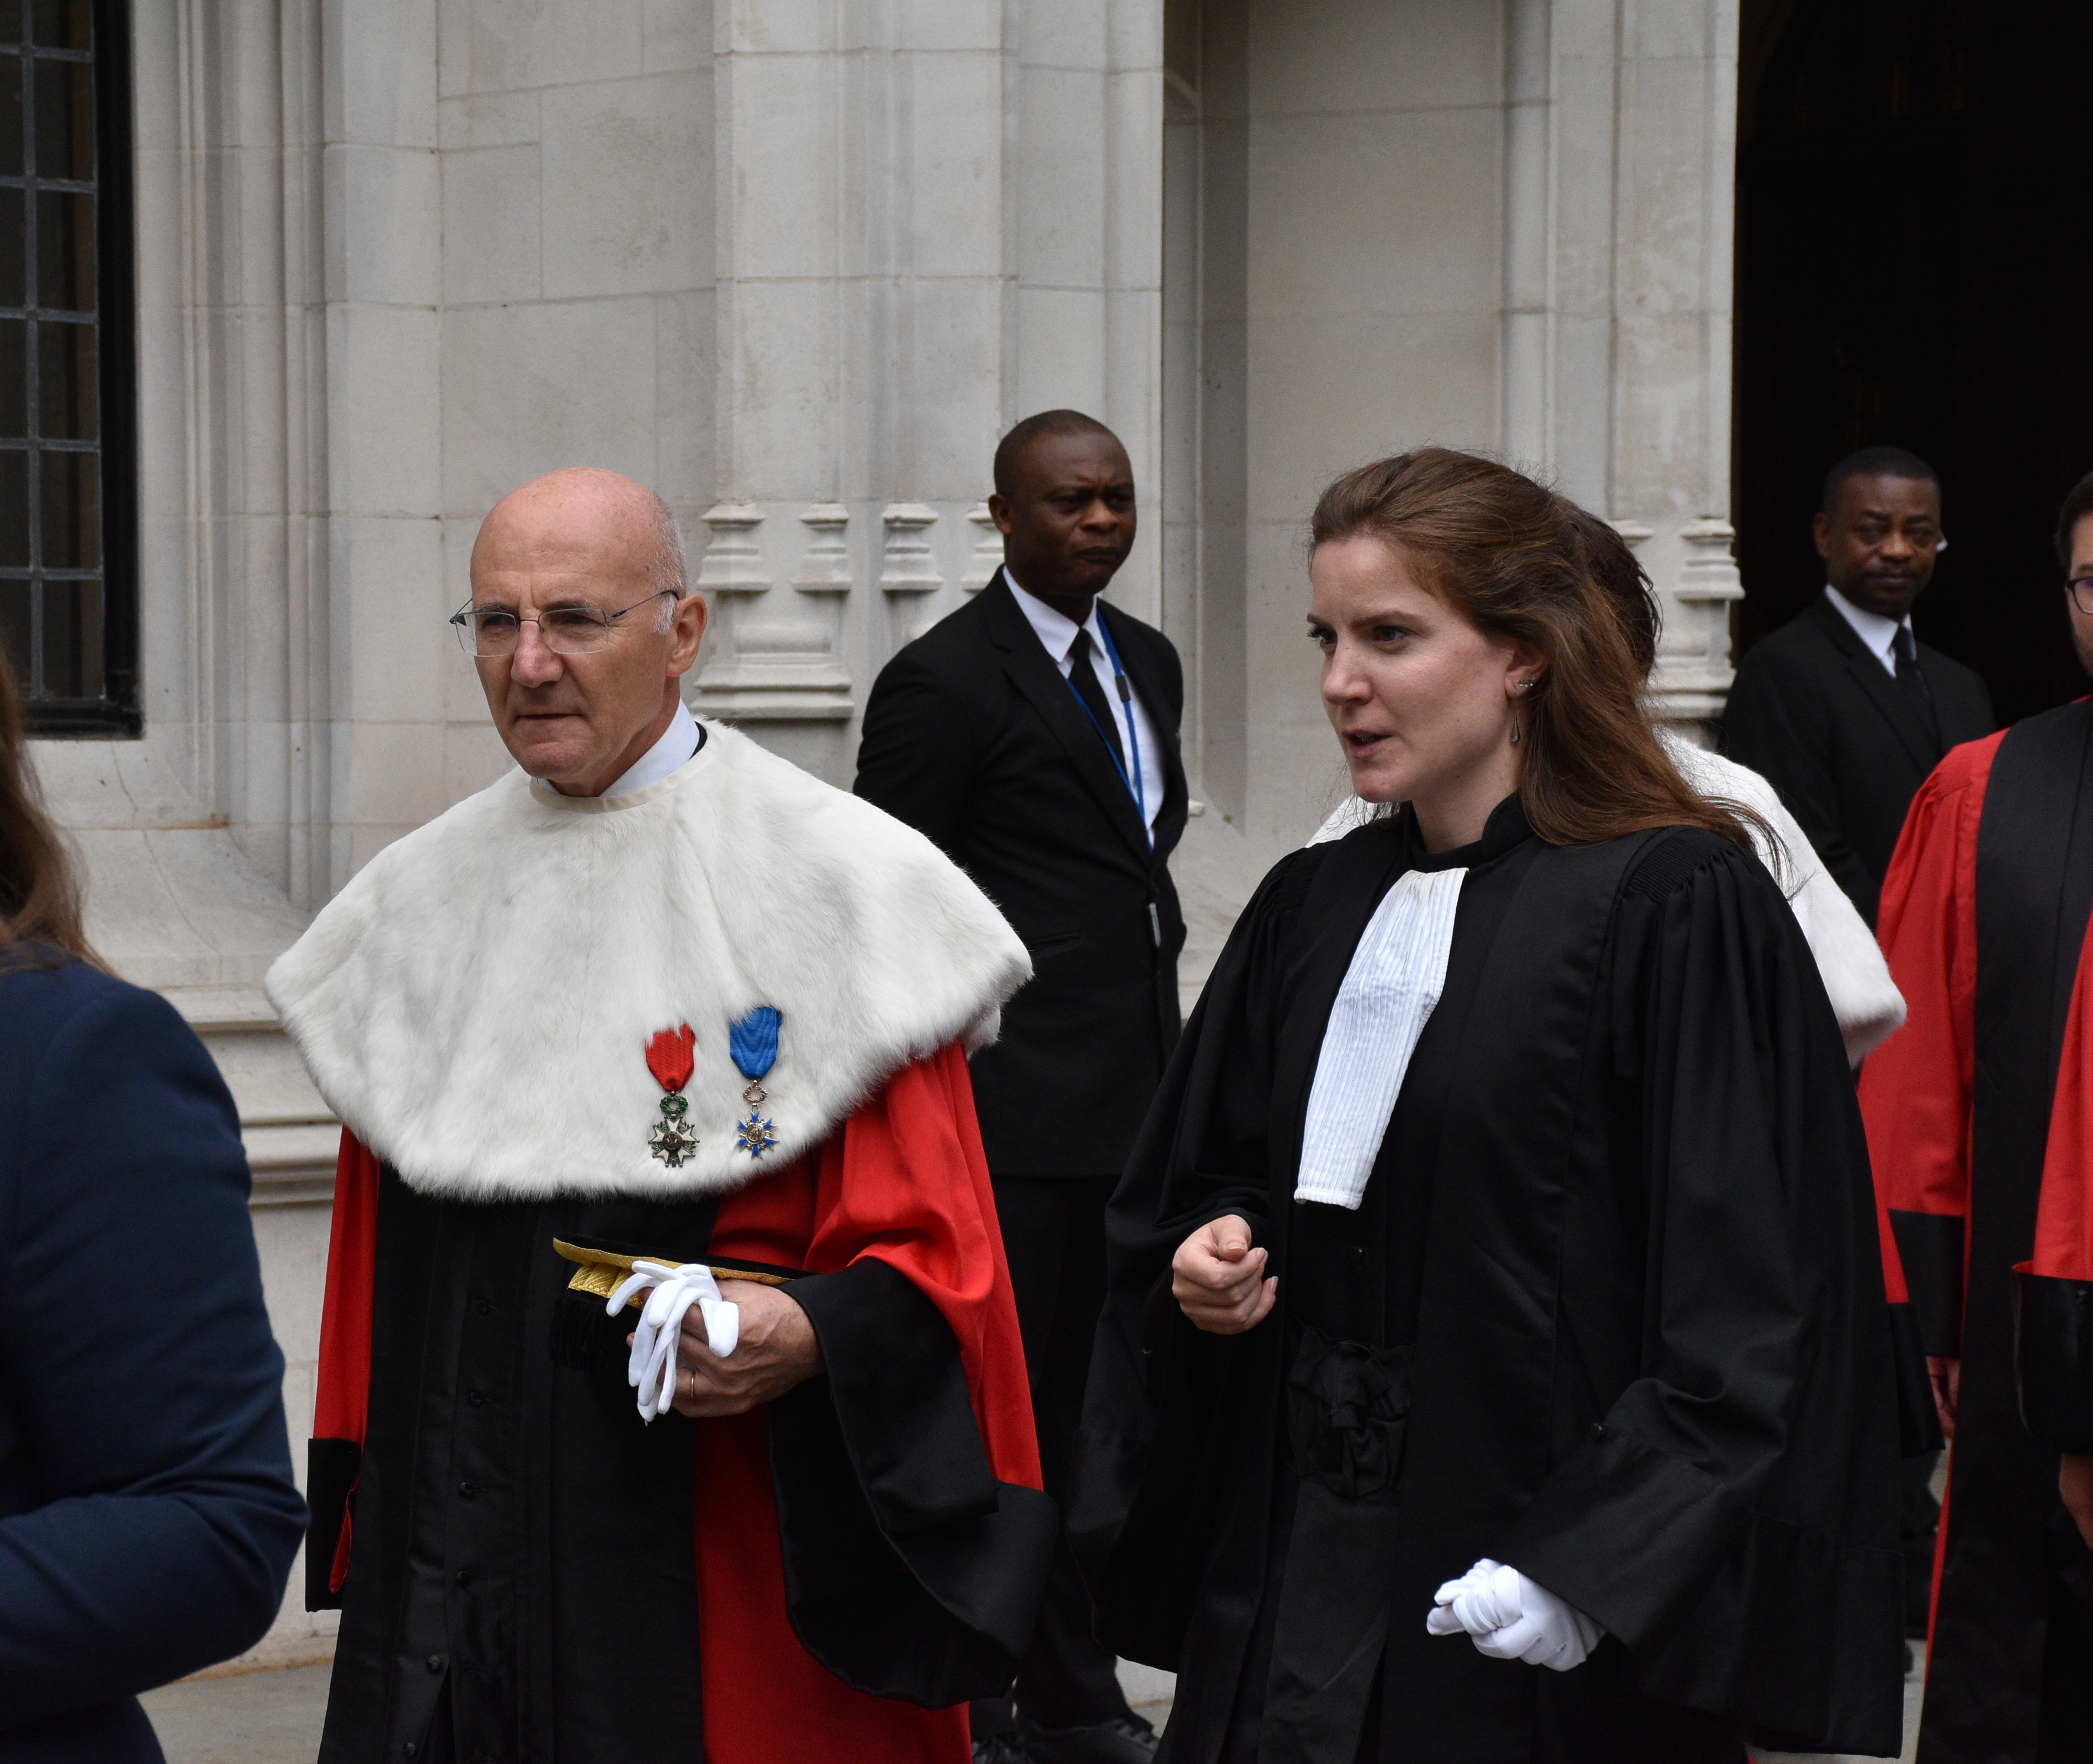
x=67 y=574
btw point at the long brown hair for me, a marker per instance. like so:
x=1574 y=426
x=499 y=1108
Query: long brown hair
x=39 y=897
x=1518 y=561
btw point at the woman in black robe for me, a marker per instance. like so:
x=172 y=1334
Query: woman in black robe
x=1585 y=1299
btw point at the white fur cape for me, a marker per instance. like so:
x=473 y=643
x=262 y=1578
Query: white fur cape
x=1863 y=998
x=476 y=1004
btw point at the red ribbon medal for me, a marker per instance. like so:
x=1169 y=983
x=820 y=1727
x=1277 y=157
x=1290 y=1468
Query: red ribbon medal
x=670 y=1057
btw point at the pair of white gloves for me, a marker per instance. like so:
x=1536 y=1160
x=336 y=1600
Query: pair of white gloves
x=1512 y=1618
x=651 y=1368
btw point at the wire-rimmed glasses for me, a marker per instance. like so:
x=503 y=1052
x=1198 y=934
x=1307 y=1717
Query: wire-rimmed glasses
x=567 y=630
x=2082 y=593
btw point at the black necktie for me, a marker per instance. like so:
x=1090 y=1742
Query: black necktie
x=1907 y=663
x=1913 y=683
x=1084 y=678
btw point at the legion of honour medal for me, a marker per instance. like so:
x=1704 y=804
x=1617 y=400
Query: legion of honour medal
x=753 y=1042
x=669 y=1058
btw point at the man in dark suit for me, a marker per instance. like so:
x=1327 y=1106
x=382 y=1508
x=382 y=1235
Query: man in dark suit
x=1842 y=708
x=1847 y=713
x=1033 y=734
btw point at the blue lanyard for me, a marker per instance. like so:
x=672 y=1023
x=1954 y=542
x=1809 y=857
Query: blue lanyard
x=1133 y=784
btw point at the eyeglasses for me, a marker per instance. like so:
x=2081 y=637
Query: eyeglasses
x=567 y=630
x=2082 y=594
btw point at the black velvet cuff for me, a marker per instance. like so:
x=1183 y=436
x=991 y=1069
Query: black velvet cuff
x=1930 y=1246
x=332 y=1469
x=899 y=1391
x=910 y=1571
x=1624 y=1533
x=2053 y=1356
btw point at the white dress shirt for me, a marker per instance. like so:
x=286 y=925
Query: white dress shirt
x=1059 y=633
x=682 y=739
x=1877 y=633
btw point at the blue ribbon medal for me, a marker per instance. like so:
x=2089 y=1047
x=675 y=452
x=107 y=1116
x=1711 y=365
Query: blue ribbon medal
x=753 y=1042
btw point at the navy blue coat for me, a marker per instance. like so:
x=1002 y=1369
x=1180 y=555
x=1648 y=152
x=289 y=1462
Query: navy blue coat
x=148 y=1515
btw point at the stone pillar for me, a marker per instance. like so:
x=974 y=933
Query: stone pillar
x=382 y=222
x=1620 y=156
x=929 y=222
x=1675 y=177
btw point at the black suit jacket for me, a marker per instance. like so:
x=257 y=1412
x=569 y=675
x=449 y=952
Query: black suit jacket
x=1845 y=745
x=972 y=736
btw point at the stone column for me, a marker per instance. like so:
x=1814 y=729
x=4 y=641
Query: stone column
x=929 y=222
x=385 y=663
x=1621 y=148
x=1677 y=133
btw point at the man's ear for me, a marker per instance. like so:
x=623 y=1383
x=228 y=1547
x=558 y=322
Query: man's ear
x=998 y=511
x=1821 y=530
x=687 y=633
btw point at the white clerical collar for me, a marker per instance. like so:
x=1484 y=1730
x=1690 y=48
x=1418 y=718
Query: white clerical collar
x=1056 y=630
x=1390 y=991
x=1877 y=633
x=682 y=739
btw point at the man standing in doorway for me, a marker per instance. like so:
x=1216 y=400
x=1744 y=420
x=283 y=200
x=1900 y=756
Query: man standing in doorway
x=1033 y=734
x=1846 y=713
x=1977 y=1115
x=1843 y=709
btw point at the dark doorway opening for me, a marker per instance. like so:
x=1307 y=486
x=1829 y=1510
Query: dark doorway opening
x=1915 y=265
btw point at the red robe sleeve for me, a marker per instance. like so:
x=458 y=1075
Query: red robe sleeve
x=342 y=1398
x=907 y=1183
x=903 y=1182
x=1915 y=1089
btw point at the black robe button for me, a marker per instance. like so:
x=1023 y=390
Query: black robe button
x=435 y=1662
x=1598 y=1433
x=484 y=1306
x=466 y=1491
x=410 y=1748
x=475 y=1398
x=465 y=1577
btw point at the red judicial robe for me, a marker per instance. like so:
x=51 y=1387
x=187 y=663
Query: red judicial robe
x=1984 y=914
x=902 y=1184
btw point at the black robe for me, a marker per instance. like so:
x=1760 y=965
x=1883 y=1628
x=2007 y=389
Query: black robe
x=1610 y=1312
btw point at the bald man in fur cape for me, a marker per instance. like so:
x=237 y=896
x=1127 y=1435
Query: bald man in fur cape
x=671 y=1404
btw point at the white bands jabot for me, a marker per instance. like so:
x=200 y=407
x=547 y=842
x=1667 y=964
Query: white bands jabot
x=652 y=1369
x=1394 y=980
x=1512 y=1618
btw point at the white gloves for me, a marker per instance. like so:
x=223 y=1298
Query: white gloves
x=1513 y=1618
x=651 y=1369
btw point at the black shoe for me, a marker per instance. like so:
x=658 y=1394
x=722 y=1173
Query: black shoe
x=1000 y=1749
x=1124 y=1740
